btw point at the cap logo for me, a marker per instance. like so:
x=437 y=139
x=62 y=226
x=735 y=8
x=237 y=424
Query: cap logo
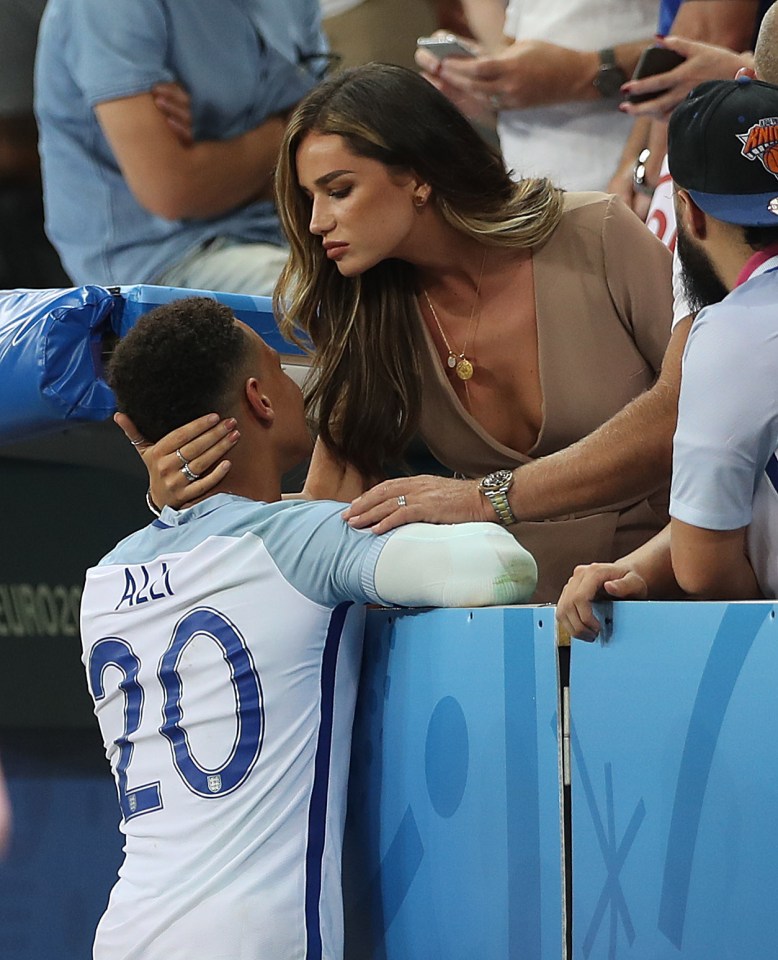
x=772 y=206
x=761 y=143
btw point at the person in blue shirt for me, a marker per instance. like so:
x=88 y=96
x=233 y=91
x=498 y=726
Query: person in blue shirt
x=131 y=196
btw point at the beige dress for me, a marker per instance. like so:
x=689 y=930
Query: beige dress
x=603 y=298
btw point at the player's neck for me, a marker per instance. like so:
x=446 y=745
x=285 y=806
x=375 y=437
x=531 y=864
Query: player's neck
x=252 y=474
x=253 y=486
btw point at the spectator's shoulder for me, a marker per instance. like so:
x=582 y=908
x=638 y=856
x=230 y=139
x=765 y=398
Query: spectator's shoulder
x=590 y=203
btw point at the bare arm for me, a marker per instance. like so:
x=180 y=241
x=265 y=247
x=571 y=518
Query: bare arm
x=525 y=73
x=625 y=458
x=646 y=573
x=712 y=564
x=727 y=23
x=703 y=61
x=724 y=23
x=680 y=561
x=176 y=181
x=486 y=19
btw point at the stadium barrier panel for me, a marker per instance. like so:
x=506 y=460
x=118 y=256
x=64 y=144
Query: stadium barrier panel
x=675 y=784
x=453 y=840
x=453 y=845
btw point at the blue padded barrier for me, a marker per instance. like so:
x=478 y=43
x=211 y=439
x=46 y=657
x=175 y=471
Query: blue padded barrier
x=453 y=845
x=675 y=784
x=49 y=359
x=257 y=312
x=51 y=341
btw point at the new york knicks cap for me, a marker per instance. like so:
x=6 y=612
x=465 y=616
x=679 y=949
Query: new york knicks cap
x=723 y=149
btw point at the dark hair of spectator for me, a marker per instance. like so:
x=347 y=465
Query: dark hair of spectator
x=179 y=362
x=759 y=238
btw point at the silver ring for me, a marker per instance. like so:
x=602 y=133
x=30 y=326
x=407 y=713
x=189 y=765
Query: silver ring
x=401 y=501
x=181 y=457
x=190 y=475
x=137 y=443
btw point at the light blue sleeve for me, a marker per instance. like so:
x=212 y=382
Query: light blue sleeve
x=319 y=554
x=726 y=417
x=116 y=49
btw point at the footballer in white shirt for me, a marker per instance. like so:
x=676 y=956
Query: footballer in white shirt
x=222 y=646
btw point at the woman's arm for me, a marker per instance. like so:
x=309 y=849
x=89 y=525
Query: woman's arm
x=626 y=458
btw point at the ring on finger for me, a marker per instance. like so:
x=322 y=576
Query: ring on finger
x=138 y=442
x=181 y=457
x=190 y=475
x=401 y=501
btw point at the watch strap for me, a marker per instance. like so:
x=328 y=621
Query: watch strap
x=495 y=487
x=499 y=500
x=610 y=76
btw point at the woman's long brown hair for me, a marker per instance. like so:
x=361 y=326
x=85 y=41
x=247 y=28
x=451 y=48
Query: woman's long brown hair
x=365 y=386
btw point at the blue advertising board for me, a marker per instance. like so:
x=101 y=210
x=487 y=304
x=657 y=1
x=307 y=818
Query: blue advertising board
x=453 y=842
x=675 y=784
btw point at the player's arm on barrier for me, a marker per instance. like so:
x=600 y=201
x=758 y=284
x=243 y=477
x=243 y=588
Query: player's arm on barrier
x=462 y=565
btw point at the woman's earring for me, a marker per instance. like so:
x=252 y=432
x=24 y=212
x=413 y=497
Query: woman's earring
x=420 y=200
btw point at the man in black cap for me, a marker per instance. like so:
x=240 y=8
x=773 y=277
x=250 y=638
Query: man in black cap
x=722 y=541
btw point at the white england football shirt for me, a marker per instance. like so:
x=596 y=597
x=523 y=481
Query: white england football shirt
x=222 y=650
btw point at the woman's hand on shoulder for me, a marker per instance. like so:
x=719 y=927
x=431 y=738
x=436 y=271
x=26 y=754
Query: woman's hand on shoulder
x=393 y=503
x=196 y=449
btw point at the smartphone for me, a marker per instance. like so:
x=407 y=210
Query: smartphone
x=653 y=60
x=445 y=46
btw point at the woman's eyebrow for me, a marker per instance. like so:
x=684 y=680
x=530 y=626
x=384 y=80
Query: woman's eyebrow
x=328 y=177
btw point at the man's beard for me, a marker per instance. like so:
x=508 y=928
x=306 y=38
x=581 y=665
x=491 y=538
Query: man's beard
x=701 y=283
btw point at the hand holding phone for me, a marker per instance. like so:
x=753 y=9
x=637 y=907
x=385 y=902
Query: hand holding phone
x=446 y=45
x=652 y=61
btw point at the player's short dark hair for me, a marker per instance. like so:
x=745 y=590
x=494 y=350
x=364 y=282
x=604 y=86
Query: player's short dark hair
x=179 y=362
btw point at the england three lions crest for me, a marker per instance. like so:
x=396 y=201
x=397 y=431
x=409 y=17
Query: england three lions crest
x=761 y=143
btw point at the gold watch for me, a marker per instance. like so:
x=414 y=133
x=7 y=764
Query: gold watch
x=495 y=487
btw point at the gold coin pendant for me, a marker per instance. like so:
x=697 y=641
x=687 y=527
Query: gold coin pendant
x=464 y=369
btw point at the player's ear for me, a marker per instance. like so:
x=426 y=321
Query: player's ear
x=258 y=402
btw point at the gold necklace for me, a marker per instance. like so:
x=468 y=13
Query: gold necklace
x=459 y=362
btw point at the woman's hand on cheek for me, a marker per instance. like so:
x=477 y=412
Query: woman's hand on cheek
x=393 y=503
x=194 y=450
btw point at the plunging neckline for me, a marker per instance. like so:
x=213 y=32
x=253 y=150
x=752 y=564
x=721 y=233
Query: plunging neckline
x=467 y=416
